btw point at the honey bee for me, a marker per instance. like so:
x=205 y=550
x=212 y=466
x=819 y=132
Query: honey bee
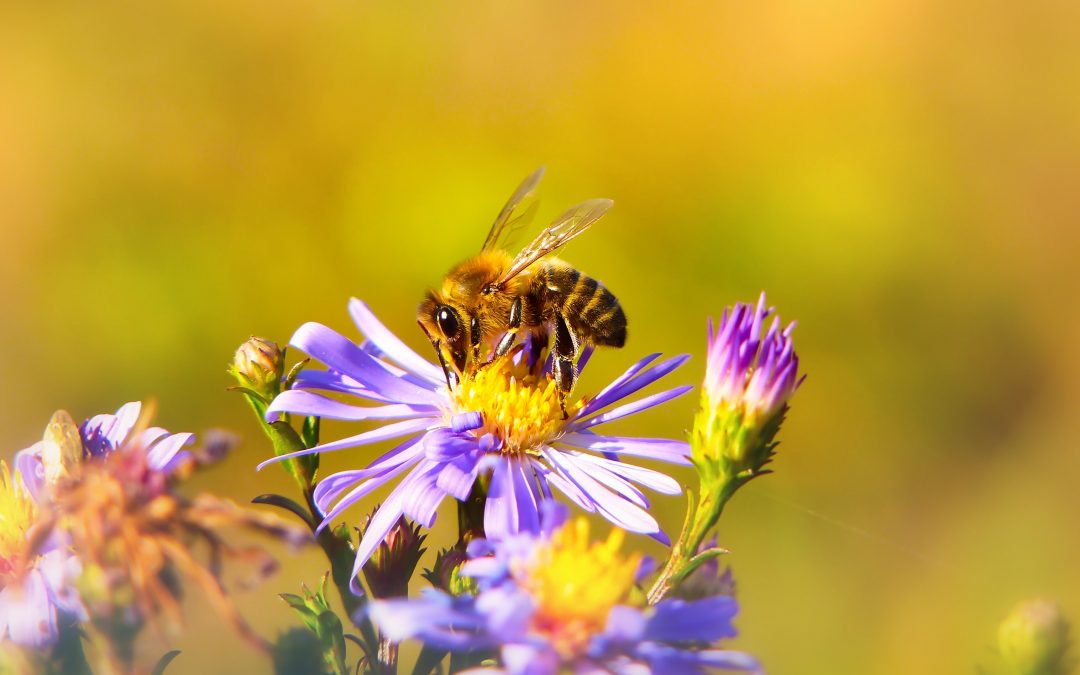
x=493 y=296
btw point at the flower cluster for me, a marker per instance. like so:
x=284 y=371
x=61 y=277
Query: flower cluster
x=501 y=424
x=557 y=602
x=93 y=533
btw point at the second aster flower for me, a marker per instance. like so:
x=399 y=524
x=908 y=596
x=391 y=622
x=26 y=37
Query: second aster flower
x=502 y=421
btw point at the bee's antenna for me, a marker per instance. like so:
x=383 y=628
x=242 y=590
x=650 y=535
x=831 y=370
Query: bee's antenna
x=451 y=377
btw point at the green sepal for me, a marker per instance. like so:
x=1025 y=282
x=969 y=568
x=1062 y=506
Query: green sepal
x=310 y=435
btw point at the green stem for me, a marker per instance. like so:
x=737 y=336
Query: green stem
x=701 y=518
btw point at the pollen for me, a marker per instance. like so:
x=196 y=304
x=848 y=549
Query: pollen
x=518 y=407
x=18 y=512
x=576 y=583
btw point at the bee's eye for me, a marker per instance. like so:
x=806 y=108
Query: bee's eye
x=448 y=322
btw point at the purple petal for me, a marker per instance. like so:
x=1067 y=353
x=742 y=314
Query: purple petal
x=432 y=619
x=631 y=408
x=161 y=456
x=625 y=624
x=332 y=380
x=421 y=495
x=458 y=475
x=27 y=616
x=619 y=511
x=608 y=479
x=101 y=434
x=604 y=393
x=526 y=499
x=444 y=444
x=654 y=480
x=339 y=353
x=499 y=517
x=331 y=487
x=302 y=402
x=375 y=435
x=639 y=381
x=676 y=452
x=29 y=467
x=390 y=345
x=705 y=620
x=365 y=487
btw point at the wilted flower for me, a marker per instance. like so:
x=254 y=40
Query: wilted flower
x=748 y=381
x=132 y=534
x=504 y=419
x=1034 y=639
x=559 y=602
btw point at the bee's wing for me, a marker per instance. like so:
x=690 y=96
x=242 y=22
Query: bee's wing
x=518 y=211
x=61 y=448
x=567 y=226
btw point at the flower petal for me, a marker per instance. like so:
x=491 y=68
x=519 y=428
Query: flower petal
x=340 y=353
x=390 y=345
x=300 y=402
x=394 y=430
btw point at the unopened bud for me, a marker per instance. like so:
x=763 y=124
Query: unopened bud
x=392 y=564
x=1034 y=639
x=749 y=378
x=259 y=365
x=444 y=574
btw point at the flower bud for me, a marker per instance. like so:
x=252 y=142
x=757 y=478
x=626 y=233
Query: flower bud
x=748 y=382
x=259 y=365
x=1034 y=639
x=445 y=573
x=392 y=564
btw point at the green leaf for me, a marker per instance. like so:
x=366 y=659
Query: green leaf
x=164 y=662
x=289 y=505
x=332 y=638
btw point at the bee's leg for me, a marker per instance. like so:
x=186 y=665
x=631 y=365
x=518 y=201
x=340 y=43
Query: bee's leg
x=512 y=329
x=563 y=367
x=474 y=338
x=451 y=376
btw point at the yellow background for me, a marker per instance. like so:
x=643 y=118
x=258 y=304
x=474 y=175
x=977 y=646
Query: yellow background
x=901 y=177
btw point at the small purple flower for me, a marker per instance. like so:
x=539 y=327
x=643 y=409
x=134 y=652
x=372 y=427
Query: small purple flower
x=745 y=371
x=556 y=603
x=749 y=380
x=37 y=586
x=503 y=419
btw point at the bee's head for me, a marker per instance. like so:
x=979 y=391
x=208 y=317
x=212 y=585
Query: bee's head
x=452 y=326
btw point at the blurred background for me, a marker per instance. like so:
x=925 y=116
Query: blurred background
x=901 y=177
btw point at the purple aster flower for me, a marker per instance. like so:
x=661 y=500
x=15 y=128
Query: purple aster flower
x=557 y=602
x=36 y=579
x=503 y=418
x=748 y=382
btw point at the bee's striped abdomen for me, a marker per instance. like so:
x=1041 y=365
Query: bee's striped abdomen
x=591 y=310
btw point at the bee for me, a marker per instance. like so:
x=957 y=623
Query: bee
x=488 y=299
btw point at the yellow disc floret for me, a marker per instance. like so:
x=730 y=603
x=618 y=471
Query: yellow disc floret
x=519 y=408
x=18 y=512
x=575 y=584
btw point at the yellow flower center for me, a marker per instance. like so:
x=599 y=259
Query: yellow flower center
x=18 y=512
x=518 y=407
x=575 y=584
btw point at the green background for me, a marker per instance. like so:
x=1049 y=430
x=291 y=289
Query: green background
x=901 y=177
